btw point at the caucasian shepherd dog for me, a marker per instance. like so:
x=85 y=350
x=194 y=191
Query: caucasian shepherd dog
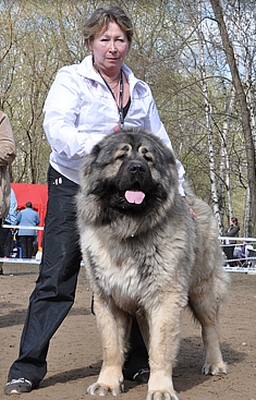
x=147 y=256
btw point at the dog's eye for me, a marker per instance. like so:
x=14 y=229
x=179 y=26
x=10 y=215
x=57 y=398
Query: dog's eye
x=120 y=156
x=122 y=152
x=148 y=157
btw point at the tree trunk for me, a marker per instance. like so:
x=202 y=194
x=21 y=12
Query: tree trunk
x=224 y=152
x=208 y=117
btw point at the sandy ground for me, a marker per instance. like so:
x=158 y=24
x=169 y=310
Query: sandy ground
x=75 y=355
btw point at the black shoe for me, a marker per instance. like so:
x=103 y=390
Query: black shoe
x=1 y=271
x=18 y=386
x=141 y=376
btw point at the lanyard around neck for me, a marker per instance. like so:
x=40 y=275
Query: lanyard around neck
x=120 y=108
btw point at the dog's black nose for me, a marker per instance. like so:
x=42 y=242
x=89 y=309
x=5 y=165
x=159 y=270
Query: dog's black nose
x=137 y=167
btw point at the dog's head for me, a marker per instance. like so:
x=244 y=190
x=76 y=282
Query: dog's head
x=129 y=173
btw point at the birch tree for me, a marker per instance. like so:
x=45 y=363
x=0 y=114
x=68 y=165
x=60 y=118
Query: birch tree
x=208 y=118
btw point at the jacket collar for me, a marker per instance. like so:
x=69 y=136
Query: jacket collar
x=86 y=69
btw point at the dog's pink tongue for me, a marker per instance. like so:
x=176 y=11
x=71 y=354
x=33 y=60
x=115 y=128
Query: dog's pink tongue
x=134 y=197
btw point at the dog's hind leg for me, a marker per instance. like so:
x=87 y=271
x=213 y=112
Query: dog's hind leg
x=205 y=308
x=113 y=326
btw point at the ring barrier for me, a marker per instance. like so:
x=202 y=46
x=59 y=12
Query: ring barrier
x=19 y=260
x=247 y=270
x=251 y=260
x=16 y=260
x=37 y=228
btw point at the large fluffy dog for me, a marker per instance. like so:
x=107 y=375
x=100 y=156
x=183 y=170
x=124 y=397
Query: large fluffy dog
x=147 y=256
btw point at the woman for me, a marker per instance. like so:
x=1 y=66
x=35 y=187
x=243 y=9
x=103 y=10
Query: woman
x=85 y=103
x=7 y=155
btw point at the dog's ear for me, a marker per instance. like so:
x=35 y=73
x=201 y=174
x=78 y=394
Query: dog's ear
x=92 y=156
x=87 y=165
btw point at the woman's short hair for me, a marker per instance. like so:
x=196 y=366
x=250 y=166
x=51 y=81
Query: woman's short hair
x=100 y=20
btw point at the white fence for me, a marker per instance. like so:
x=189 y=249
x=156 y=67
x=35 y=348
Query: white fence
x=38 y=228
x=223 y=239
x=244 y=265
x=19 y=260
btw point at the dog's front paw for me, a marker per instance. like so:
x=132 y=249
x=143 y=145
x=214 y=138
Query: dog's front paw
x=156 y=395
x=215 y=369
x=98 y=389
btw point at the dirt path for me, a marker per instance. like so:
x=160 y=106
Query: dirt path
x=75 y=354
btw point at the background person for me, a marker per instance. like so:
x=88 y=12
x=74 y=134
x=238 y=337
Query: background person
x=7 y=155
x=85 y=103
x=27 y=218
x=245 y=250
x=232 y=231
x=6 y=235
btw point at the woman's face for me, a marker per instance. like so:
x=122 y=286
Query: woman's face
x=109 y=48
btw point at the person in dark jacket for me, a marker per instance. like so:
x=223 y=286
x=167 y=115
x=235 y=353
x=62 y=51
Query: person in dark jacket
x=232 y=231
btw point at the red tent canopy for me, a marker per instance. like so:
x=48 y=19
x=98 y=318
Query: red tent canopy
x=38 y=195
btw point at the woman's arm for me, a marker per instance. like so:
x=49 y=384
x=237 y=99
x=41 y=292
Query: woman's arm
x=233 y=231
x=62 y=116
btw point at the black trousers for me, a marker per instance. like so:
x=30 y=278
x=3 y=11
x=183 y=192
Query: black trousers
x=3 y=236
x=229 y=250
x=27 y=246
x=53 y=297
x=8 y=246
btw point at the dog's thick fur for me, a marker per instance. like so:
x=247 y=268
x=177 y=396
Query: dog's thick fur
x=147 y=256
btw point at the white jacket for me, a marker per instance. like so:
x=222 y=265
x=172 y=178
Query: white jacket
x=80 y=111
